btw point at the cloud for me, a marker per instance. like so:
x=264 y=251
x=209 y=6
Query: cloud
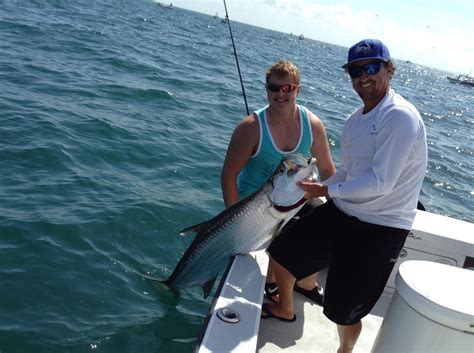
x=432 y=45
x=426 y=35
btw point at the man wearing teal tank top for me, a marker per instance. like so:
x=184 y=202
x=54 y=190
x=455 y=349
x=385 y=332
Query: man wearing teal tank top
x=261 y=139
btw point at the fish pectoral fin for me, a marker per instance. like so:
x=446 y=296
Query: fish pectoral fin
x=207 y=287
x=195 y=228
x=279 y=226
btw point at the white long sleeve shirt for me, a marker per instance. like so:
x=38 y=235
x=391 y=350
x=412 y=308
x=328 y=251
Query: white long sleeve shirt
x=384 y=157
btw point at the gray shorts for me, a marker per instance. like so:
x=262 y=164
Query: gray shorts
x=360 y=257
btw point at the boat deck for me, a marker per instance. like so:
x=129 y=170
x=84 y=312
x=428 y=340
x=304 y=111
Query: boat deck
x=313 y=332
x=234 y=325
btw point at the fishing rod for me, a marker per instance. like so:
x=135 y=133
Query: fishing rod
x=236 y=59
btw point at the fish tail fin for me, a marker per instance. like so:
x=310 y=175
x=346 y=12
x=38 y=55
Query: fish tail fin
x=163 y=289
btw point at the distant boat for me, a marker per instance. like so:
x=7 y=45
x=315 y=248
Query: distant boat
x=216 y=15
x=225 y=19
x=301 y=36
x=169 y=6
x=462 y=79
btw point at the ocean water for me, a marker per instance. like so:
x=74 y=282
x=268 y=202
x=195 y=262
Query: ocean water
x=115 y=118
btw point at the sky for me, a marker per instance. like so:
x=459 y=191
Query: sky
x=435 y=33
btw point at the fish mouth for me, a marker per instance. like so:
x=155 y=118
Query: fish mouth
x=286 y=194
x=289 y=208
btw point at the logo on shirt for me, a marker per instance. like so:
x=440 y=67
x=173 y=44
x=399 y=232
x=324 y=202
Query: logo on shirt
x=373 y=130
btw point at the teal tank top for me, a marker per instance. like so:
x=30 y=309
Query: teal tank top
x=263 y=163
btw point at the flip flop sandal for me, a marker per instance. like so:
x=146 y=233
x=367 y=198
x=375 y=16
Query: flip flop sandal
x=271 y=290
x=269 y=315
x=316 y=294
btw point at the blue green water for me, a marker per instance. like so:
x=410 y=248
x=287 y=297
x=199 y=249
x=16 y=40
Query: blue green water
x=115 y=117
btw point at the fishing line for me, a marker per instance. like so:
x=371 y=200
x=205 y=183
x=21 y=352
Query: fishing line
x=236 y=59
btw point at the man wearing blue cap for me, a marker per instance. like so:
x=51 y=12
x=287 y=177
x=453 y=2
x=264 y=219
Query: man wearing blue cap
x=371 y=206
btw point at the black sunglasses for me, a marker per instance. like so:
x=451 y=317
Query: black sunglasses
x=286 y=88
x=370 y=69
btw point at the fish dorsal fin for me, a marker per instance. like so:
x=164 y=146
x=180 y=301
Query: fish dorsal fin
x=207 y=287
x=193 y=229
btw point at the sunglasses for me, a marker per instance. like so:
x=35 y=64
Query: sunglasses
x=286 y=88
x=370 y=69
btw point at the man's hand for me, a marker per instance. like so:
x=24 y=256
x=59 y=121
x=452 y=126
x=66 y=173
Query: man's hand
x=313 y=189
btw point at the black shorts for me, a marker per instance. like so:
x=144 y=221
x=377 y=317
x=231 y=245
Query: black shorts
x=360 y=257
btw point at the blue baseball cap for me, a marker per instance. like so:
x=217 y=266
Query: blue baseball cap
x=367 y=49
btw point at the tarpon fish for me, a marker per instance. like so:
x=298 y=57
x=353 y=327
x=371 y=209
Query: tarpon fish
x=250 y=224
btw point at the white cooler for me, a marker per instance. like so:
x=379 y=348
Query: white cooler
x=432 y=311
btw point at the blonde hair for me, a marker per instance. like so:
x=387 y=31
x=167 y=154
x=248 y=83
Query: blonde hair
x=283 y=69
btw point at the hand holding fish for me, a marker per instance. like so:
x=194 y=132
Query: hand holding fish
x=313 y=189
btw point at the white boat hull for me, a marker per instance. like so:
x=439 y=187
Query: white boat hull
x=433 y=238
